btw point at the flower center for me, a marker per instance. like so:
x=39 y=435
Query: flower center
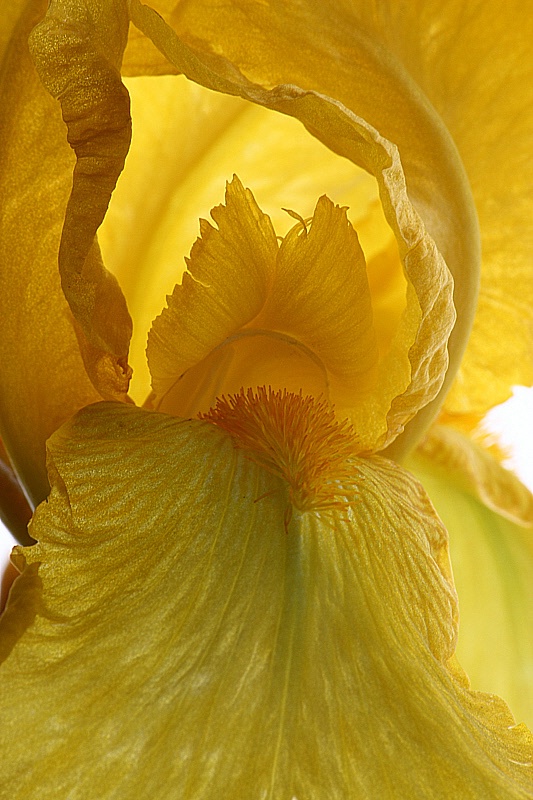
x=297 y=438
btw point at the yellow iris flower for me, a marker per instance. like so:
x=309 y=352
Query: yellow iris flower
x=237 y=589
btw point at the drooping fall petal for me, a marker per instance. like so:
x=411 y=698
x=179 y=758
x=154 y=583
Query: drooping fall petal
x=77 y=49
x=493 y=569
x=242 y=651
x=41 y=373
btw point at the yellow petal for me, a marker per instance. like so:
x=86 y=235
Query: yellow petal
x=428 y=319
x=41 y=373
x=192 y=641
x=78 y=58
x=473 y=62
x=187 y=142
x=320 y=295
x=247 y=314
x=493 y=569
x=225 y=288
x=479 y=76
x=476 y=470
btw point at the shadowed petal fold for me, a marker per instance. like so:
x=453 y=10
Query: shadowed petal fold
x=42 y=375
x=77 y=49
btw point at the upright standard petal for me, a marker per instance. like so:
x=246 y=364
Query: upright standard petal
x=424 y=331
x=187 y=142
x=42 y=378
x=249 y=313
x=77 y=50
x=275 y=43
x=472 y=62
x=307 y=325
x=243 y=651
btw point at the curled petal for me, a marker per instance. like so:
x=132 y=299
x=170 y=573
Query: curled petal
x=472 y=62
x=77 y=50
x=41 y=373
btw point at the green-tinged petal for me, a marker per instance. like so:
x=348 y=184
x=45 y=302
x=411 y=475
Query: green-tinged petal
x=77 y=50
x=194 y=640
x=187 y=142
x=493 y=569
x=472 y=466
x=41 y=373
x=418 y=364
x=250 y=313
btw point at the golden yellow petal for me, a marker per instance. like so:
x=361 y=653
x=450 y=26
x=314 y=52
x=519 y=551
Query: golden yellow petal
x=476 y=470
x=187 y=142
x=473 y=63
x=493 y=570
x=230 y=272
x=320 y=296
x=248 y=314
x=41 y=373
x=192 y=641
x=417 y=371
x=78 y=57
x=479 y=76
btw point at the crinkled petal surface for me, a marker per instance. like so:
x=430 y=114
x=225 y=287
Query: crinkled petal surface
x=191 y=641
x=425 y=327
x=77 y=49
x=250 y=312
x=493 y=570
x=41 y=372
x=300 y=317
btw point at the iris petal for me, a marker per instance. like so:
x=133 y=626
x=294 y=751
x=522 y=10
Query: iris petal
x=77 y=51
x=493 y=569
x=42 y=375
x=240 y=656
x=474 y=468
x=424 y=332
